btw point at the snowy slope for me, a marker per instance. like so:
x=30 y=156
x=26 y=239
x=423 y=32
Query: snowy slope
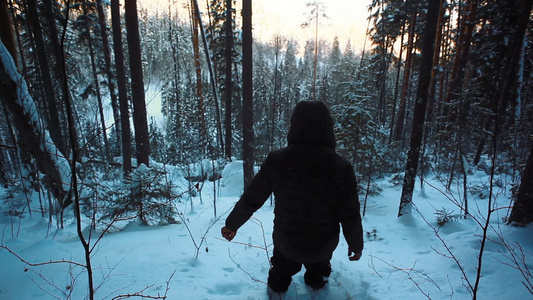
x=401 y=259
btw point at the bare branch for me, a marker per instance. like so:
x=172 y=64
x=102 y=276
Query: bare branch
x=239 y=266
x=42 y=263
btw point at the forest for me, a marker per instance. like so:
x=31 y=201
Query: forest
x=442 y=88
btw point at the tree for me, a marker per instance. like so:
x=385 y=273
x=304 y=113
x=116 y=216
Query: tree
x=87 y=21
x=420 y=106
x=33 y=136
x=212 y=76
x=122 y=88
x=247 y=95
x=109 y=72
x=462 y=52
x=522 y=212
x=228 y=86
x=398 y=129
x=45 y=73
x=317 y=11
x=140 y=121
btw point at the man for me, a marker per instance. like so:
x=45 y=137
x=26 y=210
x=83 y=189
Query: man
x=315 y=190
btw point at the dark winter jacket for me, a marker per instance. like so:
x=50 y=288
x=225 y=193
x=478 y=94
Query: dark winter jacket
x=315 y=190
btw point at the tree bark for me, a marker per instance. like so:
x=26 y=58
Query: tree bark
x=420 y=107
x=140 y=123
x=108 y=70
x=315 y=61
x=436 y=56
x=247 y=95
x=463 y=50
x=48 y=87
x=398 y=129
x=6 y=34
x=175 y=86
x=395 y=98
x=198 y=69
x=522 y=212
x=96 y=83
x=211 y=73
x=228 y=80
x=122 y=87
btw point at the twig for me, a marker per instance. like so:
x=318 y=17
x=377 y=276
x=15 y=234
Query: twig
x=451 y=255
x=241 y=243
x=258 y=222
x=196 y=245
x=49 y=283
x=143 y=296
x=517 y=258
x=408 y=272
x=371 y=265
x=42 y=263
x=239 y=266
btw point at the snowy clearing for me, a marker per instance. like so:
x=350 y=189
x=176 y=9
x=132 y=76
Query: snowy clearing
x=403 y=258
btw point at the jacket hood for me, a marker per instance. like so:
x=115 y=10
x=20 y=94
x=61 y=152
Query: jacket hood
x=311 y=124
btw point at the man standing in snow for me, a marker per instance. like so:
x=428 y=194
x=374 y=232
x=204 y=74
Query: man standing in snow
x=315 y=190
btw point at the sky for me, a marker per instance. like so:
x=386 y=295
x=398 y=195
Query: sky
x=348 y=19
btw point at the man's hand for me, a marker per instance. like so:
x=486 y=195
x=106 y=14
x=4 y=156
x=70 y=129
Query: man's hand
x=228 y=234
x=352 y=256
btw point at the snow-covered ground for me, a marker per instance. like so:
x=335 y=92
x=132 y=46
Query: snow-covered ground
x=403 y=257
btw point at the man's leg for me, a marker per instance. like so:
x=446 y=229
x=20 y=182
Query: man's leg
x=280 y=274
x=316 y=274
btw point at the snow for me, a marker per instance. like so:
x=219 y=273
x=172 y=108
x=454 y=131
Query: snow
x=403 y=257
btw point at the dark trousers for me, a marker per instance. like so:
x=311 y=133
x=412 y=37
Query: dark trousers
x=283 y=268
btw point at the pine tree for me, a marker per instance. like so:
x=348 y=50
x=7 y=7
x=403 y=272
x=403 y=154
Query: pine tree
x=426 y=66
x=140 y=121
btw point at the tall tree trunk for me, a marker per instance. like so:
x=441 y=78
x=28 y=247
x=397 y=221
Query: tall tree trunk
x=315 y=61
x=382 y=104
x=122 y=87
x=275 y=100
x=522 y=212
x=175 y=85
x=23 y=69
x=507 y=88
x=6 y=34
x=44 y=68
x=420 y=107
x=398 y=129
x=96 y=83
x=463 y=49
x=211 y=73
x=108 y=70
x=436 y=56
x=247 y=95
x=59 y=53
x=228 y=80
x=398 y=71
x=433 y=84
x=198 y=69
x=140 y=122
